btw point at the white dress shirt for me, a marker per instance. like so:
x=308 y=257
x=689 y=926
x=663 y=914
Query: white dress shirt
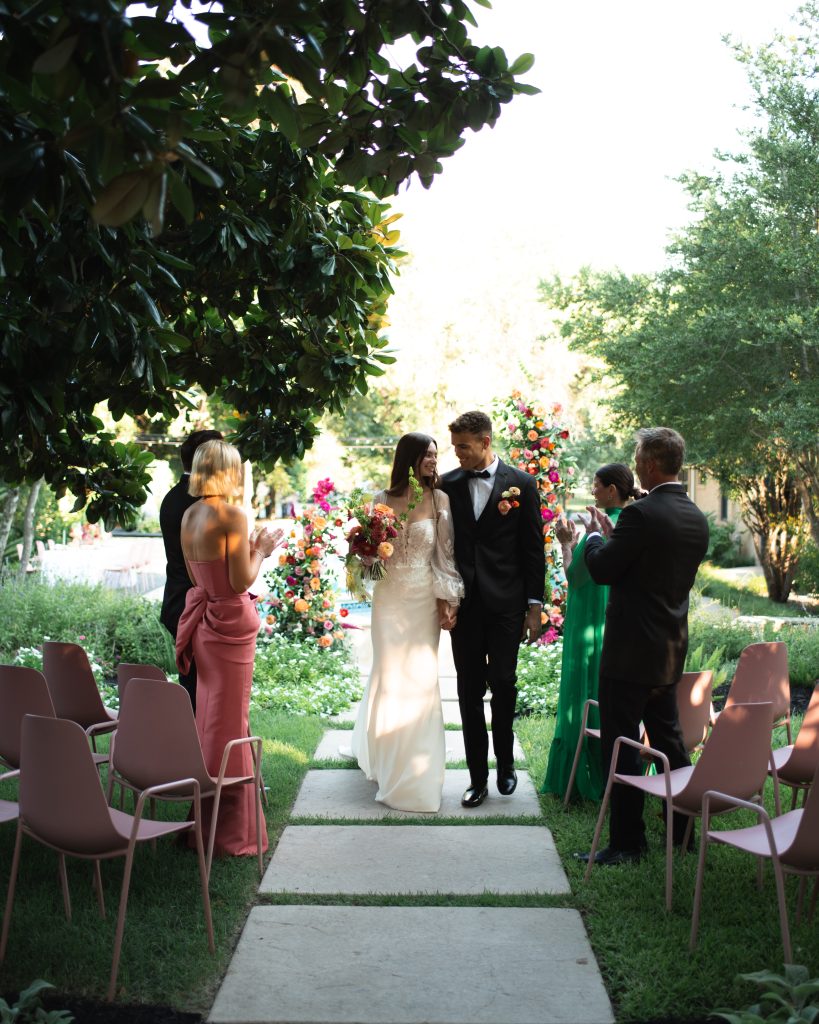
x=480 y=488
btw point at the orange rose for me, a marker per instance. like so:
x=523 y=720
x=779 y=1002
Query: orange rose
x=325 y=641
x=315 y=567
x=385 y=549
x=315 y=584
x=301 y=605
x=282 y=559
x=319 y=522
x=532 y=435
x=270 y=619
x=514 y=453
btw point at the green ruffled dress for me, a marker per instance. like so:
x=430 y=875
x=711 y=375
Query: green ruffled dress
x=582 y=645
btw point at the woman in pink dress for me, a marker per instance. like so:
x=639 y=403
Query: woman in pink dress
x=218 y=628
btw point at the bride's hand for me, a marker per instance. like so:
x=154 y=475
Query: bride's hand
x=447 y=615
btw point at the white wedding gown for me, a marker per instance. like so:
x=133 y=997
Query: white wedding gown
x=398 y=739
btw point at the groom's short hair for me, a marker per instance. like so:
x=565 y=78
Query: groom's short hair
x=474 y=422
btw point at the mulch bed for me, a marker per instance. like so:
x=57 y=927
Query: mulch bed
x=88 y=1011
x=800 y=698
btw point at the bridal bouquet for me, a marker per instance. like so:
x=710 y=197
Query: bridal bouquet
x=370 y=540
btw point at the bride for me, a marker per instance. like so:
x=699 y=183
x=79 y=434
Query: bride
x=398 y=739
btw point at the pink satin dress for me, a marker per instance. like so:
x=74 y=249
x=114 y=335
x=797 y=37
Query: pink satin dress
x=218 y=629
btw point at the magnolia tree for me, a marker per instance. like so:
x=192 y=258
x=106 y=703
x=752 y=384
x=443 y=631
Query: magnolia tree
x=533 y=438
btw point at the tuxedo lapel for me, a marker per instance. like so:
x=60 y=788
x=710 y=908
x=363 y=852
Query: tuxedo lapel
x=461 y=500
x=498 y=487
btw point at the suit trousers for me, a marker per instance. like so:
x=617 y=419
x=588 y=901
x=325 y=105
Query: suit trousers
x=623 y=706
x=485 y=650
x=186 y=679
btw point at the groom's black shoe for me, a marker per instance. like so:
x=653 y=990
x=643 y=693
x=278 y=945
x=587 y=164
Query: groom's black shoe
x=507 y=780
x=608 y=857
x=474 y=796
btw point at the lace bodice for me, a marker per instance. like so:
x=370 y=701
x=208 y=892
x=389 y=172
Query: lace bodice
x=424 y=553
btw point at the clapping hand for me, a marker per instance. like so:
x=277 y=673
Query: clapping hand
x=265 y=541
x=566 y=531
x=599 y=521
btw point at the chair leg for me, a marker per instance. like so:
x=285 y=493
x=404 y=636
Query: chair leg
x=123 y=906
x=214 y=818
x=695 y=912
x=262 y=790
x=203 y=872
x=601 y=817
x=783 y=912
x=669 y=853
x=581 y=737
x=258 y=803
x=64 y=886
x=15 y=864
x=794 y=797
x=98 y=888
x=800 y=898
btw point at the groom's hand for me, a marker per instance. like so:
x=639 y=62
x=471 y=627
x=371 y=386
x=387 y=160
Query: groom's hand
x=532 y=624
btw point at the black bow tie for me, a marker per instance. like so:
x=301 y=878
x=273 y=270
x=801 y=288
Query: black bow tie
x=484 y=474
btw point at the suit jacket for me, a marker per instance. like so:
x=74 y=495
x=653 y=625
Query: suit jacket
x=649 y=562
x=501 y=558
x=177 y=582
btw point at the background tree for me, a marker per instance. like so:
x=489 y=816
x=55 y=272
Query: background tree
x=237 y=238
x=723 y=343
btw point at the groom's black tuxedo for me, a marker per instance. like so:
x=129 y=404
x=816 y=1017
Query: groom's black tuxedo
x=503 y=564
x=649 y=562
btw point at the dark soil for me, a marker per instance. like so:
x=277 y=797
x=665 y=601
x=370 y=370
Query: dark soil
x=87 y=1011
x=800 y=697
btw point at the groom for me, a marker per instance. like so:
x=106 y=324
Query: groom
x=500 y=555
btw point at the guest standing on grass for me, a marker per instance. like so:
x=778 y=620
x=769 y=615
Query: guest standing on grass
x=612 y=489
x=649 y=561
x=218 y=628
x=177 y=582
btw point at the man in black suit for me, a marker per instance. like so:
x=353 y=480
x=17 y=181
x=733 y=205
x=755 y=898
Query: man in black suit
x=649 y=560
x=177 y=582
x=500 y=555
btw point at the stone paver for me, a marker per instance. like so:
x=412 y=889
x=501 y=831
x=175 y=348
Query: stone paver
x=403 y=965
x=415 y=859
x=341 y=793
x=328 y=748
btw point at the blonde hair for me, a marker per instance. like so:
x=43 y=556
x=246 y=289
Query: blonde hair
x=217 y=469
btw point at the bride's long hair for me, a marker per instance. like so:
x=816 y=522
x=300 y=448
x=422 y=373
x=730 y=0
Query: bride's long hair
x=409 y=452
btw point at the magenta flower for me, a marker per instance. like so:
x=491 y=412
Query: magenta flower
x=554 y=476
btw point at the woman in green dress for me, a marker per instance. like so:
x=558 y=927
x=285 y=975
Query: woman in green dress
x=612 y=489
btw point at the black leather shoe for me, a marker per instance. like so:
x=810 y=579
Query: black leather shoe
x=474 y=796
x=609 y=857
x=507 y=781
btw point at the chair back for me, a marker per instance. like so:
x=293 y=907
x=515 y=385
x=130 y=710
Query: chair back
x=736 y=757
x=762 y=675
x=804 y=850
x=23 y=691
x=61 y=798
x=131 y=670
x=156 y=740
x=694 y=706
x=804 y=757
x=71 y=684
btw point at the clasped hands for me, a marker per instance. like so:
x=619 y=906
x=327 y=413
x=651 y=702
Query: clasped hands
x=447 y=615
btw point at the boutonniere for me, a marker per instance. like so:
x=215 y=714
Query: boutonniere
x=509 y=501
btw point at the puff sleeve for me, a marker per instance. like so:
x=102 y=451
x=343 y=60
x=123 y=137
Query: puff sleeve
x=446 y=580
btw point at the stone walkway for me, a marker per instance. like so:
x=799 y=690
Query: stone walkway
x=411 y=964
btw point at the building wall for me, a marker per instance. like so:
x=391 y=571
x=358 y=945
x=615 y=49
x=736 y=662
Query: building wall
x=707 y=495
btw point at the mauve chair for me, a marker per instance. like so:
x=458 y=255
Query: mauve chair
x=796 y=764
x=790 y=840
x=762 y=675
x=127 y=670
x=157 y=741
x=74 y=691
x=734 y=760
x=23 y=691
x=62 y=806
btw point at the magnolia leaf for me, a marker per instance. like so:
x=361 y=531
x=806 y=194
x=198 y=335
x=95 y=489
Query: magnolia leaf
x=55 y=59
x=522 y=64
x=122 y=199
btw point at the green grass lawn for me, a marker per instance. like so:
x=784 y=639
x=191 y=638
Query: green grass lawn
x=641 y=950
x=749 y=596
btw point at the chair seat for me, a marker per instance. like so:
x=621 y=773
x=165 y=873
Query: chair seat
x=654 y=785
x=786 y=766
x=148 y=827
x=753 y=839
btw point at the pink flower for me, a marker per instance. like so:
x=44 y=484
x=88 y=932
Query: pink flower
x=554 y=476
x=504 y=507
x=547 y=514
x=527 y=453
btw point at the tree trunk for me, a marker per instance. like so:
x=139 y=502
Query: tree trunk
x=809 y=490
x=7 y=517
x=28 y=525
x=772 y=511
